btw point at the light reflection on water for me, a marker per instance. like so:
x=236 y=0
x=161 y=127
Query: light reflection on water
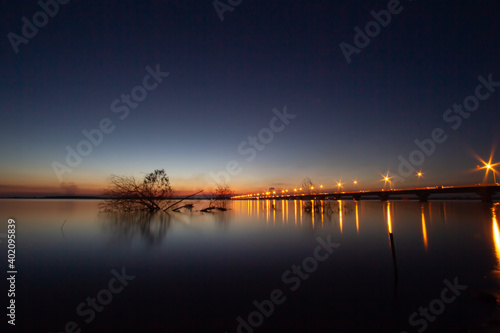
x=496 y=233
x=424 y=229
x=230 y=258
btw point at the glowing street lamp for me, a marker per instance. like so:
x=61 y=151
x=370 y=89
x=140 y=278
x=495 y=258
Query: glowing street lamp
x=386 y=179
x=419 y=175
x=489 y=166
x=339 y=185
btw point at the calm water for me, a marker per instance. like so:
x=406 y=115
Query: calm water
x=199 y=272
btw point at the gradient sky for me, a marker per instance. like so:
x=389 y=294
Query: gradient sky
x=352 y=120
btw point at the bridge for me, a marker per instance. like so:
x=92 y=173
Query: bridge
x=484 y=192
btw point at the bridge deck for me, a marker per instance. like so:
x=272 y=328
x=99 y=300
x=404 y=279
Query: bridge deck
x=485 y=192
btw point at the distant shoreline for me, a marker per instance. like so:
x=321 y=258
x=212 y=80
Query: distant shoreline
x=79 y=197
x=88 y=197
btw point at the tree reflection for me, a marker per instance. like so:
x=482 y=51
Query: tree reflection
x=222 y=219
x=150 y=226
x=315 y=211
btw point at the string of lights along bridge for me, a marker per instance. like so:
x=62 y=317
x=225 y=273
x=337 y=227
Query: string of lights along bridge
x=486 y=192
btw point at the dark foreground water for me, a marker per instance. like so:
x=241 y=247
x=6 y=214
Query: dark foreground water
x=263 y=266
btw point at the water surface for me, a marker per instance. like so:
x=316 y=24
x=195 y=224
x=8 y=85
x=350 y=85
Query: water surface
x=200 y=272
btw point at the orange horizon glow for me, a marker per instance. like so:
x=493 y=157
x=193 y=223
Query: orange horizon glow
x=94 y=183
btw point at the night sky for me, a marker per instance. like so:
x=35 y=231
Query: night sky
x=344 y=119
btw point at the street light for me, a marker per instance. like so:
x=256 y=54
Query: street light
x=419 y=174
x=488 y=166
x=386 y=179
x=339 y=185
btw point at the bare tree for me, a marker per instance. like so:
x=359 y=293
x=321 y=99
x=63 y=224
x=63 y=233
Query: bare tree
x=220 y=197
x=153 y=193
x=307 y=184
x=318 y=206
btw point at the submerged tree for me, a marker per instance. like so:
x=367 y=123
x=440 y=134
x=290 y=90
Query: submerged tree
x=223 y=192
x=307 y=185
x=150 y=226
x=220 y=197
x=153 y=193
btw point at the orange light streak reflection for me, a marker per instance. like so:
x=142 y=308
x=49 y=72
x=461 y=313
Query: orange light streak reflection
x=389 y=222
x=424 y=229
x=357 y=218
x=340 y=215
x=496 y=234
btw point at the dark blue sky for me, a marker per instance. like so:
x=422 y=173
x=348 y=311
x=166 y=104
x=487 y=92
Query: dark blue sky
x=353 y=120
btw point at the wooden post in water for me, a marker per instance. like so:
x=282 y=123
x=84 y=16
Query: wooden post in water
x=395 y=263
